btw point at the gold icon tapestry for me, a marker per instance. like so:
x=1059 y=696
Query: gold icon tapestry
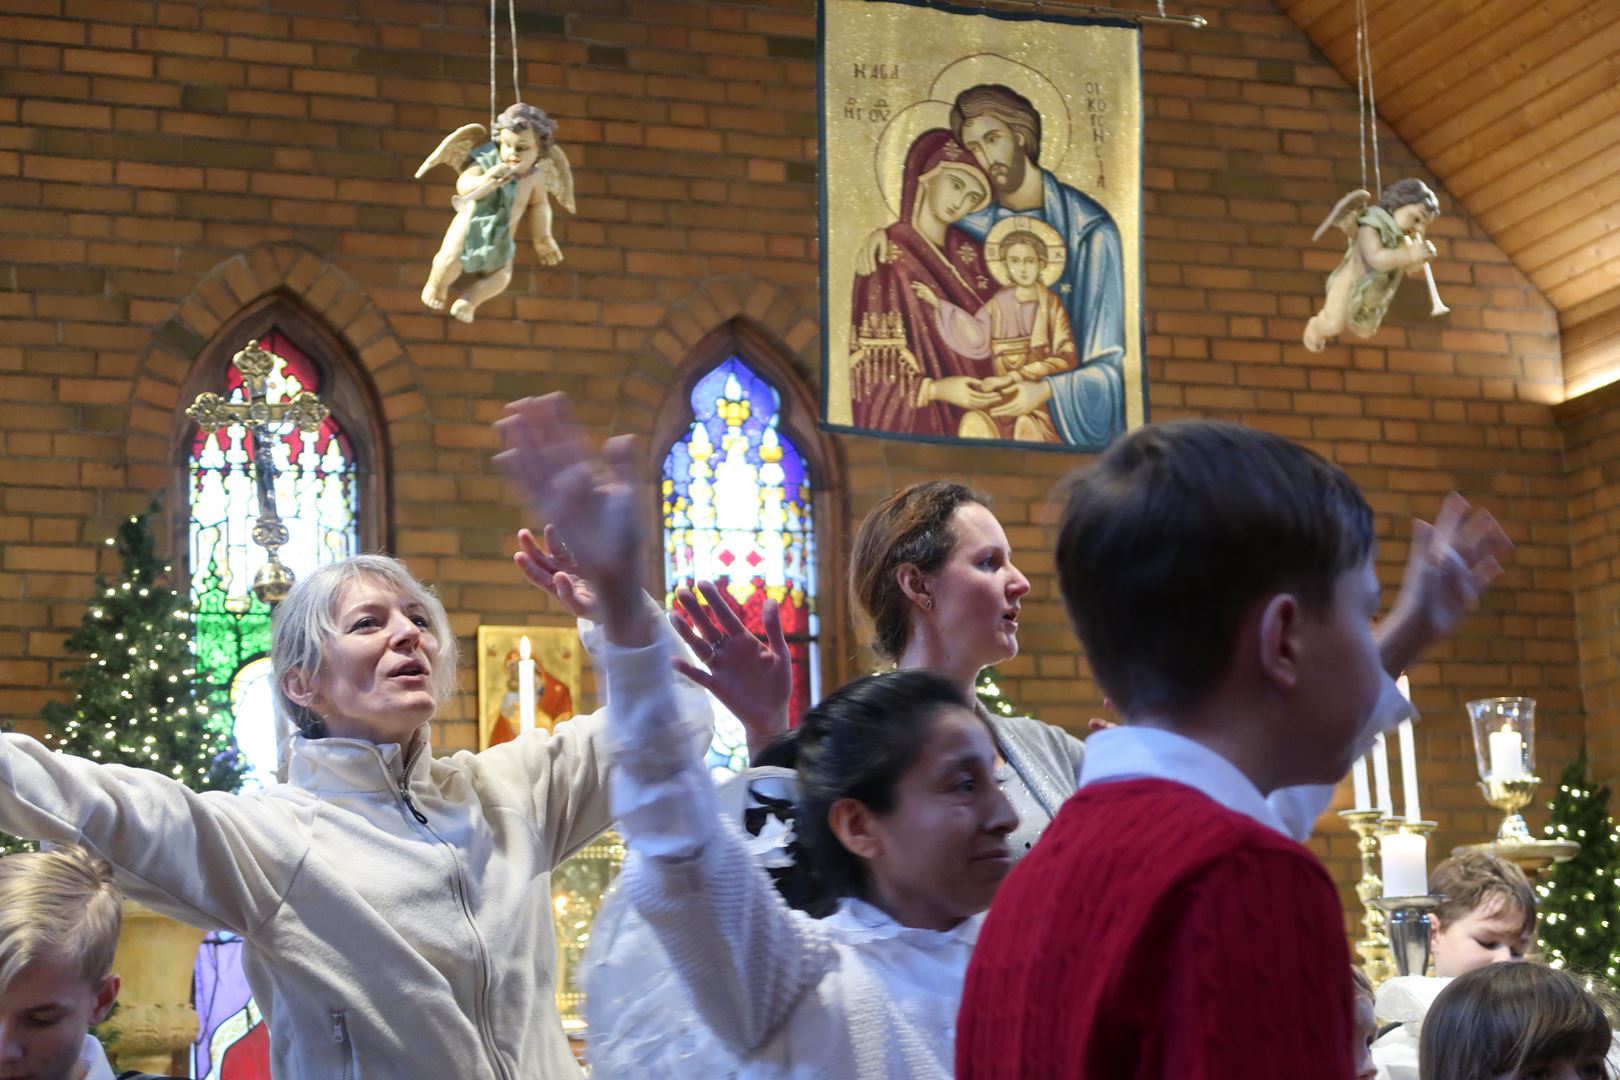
x=981 y=230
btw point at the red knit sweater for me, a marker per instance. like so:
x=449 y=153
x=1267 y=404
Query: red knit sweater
x=1153 y=933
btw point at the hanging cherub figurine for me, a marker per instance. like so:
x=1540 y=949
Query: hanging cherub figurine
x=499 y=184
x=1385 y=240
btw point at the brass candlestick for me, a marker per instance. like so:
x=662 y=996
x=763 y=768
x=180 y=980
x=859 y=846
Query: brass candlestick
x=1368 y=825
x=1514 y=840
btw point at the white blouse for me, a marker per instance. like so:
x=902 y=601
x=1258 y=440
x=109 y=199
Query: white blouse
x=854 y=996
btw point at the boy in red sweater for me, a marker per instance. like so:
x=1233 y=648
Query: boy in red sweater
x=1221 y=581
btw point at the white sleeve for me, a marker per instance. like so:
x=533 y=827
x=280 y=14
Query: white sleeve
x=208 y=858
x=744 y=955
x=1299 y=807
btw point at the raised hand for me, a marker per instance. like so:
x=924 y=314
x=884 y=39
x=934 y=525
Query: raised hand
x=1451 y=564
x=752 y=678
x=593 y=502
x=552 y=569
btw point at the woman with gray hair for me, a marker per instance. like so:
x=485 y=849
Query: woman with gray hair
x=396 y=906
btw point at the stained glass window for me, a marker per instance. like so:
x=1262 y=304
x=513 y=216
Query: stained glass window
x=738 y=512
x=317 y=495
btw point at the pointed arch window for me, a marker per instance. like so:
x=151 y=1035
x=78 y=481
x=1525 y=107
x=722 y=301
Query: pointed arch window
x=318 y=497
x=738 y=510
x=330 y=493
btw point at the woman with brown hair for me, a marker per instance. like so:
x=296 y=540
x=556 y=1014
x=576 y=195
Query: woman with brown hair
x=933 y=583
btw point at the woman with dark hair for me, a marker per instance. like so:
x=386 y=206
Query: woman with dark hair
x=898 y=817
x=1517 y=1022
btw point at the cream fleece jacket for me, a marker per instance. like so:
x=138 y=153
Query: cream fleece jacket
x=386 y=936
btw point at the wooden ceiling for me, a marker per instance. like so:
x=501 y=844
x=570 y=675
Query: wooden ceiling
x=1515 y=107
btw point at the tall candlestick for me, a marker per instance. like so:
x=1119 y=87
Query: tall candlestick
x=525 y=686
x=1406 y=871
x=1409 y=782
x=1386 y=800
x=1358 y=779
x=1507 y=754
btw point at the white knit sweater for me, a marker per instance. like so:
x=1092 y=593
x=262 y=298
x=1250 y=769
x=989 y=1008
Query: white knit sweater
x=855 y=996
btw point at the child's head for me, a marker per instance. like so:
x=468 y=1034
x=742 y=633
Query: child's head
x=1488 y=915
x=898 y=802
x=523 y=135
x=1365 y=1027
x=1215 y=571
x=59 y=920
x=1514 y=1022
x=1024 y=255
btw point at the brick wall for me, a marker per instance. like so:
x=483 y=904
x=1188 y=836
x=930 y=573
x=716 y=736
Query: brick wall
x=164 y=163
x=1592 y=437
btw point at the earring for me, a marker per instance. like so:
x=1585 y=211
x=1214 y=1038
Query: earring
x=928 y=603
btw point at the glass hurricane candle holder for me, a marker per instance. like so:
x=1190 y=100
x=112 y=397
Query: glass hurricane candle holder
x=1505 y=751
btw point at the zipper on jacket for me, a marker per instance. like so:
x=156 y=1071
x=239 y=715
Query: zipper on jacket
x=405 y=782
x=481 y=1006
x=340 y=1036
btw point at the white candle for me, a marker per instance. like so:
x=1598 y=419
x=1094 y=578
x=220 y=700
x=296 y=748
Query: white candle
x=1404 y=685
x=1386 y=801
x=1409 y=784
x=1358 y=778
x=1507 y=754
x=1406 y=871
x=525 y=686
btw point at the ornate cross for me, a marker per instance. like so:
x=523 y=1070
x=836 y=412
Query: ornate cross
x=259 y=415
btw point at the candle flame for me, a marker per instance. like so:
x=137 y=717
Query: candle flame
x=523 y=647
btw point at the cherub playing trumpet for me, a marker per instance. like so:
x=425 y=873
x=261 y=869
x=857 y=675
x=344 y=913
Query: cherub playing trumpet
x=500 y=183
x=1386 y=240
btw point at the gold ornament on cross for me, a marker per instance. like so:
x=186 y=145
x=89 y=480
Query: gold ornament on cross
x=259 y=415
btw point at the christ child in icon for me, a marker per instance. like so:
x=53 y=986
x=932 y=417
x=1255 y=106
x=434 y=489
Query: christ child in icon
x=1023 y=329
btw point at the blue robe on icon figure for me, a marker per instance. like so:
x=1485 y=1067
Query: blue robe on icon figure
x=1002 y=129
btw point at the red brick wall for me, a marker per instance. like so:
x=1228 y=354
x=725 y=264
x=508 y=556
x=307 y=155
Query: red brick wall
x=1592 y=438
x=164 y=163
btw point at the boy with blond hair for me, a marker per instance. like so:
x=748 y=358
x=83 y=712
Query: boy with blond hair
x=59 y=919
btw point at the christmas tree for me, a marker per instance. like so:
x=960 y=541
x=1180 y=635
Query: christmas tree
x=990 y=696
x=1580 y=903
x=136 y=698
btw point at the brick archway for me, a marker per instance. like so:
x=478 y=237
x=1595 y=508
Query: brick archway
x=789 y=316
x=177 y=342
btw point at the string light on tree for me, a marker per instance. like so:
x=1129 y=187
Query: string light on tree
x=1579 y=900
x=134 y=698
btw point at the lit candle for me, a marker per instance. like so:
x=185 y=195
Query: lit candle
x=525 y=686
x=1507 y=754
x=1386 y=801
x=1358 y=777
x=1406 y=871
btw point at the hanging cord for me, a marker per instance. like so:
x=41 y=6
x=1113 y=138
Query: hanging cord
x=1366 y=100
x=492 y=10
x=1372 y=103
x=511 y=21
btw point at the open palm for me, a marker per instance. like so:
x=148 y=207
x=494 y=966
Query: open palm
x=592 y=502
x=751 y=677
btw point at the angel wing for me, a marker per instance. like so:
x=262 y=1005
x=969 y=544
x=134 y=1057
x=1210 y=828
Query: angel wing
x=1344 y=215
x=560 y=178
x=456 y=148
